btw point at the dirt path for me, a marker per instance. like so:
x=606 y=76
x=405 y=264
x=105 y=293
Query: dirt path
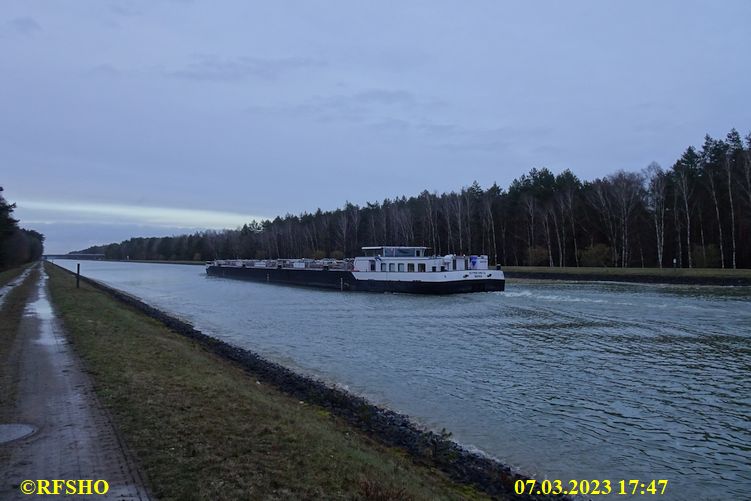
x=74 y=438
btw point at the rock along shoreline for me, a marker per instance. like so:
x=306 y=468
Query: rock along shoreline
x=386 y=426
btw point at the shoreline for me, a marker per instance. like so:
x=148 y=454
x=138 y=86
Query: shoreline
x=390 y=428
x=668 y=276
x=635 y=278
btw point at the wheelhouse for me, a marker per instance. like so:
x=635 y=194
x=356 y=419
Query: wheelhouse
x=397 y=259
x=394 y=251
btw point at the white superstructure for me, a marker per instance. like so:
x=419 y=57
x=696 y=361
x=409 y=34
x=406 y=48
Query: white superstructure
x=411 y=264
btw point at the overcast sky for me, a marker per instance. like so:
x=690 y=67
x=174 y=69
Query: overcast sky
x=154 y=117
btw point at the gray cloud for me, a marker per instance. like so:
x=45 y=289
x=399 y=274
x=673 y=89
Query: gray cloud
x=363 y=106
x=372 y=107
x=104 y=70
x=23 y=25
x=214 y=68
x=459 y=138
x=124 y=10
x=383 y=96
x=391 y=126
x=392 y=112
x=363 y=112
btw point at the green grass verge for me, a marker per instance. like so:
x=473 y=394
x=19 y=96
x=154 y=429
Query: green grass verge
x=625 y=272
x=202 y=428
x=8 y=275
x=10 y=317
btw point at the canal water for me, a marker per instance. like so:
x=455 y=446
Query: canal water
x=562 y=380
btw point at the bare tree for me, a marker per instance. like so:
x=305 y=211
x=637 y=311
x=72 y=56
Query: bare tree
x=545 y=217
x=353 y=215
x=685 y=171
x=446 y=206
x=429 y=220
x=747 y=169
x=556 y=229
x=733 y=151
x=656 y=188
x=530 y=209
x=600 y=197
x=628 y=192
x=566 y=192
x=457 y=207
x=468 y=213
x=488 y=204
x=709 y=172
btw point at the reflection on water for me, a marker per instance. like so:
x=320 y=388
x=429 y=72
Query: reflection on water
x=562 y=380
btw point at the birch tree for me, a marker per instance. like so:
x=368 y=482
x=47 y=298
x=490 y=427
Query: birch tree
x=656 y=190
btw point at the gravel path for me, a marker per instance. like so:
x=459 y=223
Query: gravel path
x=75 y=438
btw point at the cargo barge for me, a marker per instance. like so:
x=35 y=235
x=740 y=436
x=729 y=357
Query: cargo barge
x=380 y=269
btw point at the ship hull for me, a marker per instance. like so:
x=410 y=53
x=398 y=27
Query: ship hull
x=346 y=280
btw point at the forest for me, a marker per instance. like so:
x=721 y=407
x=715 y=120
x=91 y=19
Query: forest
x=17 y=245
x=695 y=214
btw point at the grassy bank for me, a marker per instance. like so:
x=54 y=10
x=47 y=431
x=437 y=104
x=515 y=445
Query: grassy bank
x=697 y=276
x=7 y=276
x=202 y=428
x=11 y=312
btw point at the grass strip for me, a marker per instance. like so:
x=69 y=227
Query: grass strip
x=698 y=276
x=658 y=272
x=203 y=428
x=6 y=276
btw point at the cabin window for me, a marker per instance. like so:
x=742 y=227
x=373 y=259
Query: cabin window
x=392 y=267
x=434 y=269
x=443 y=268
x=421 y=267
x=410 y=266
x=372 y=265
x=383 y=266
x=401 y=266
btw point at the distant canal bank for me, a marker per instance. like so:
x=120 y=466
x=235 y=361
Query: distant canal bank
x=166 y=393
x=679 y=276
x=560 y=379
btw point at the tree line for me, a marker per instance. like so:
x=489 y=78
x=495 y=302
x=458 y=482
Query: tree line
x=696 y=213
x=17 y=245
